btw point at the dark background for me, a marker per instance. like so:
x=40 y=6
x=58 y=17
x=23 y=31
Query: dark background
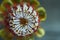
x=52 y=23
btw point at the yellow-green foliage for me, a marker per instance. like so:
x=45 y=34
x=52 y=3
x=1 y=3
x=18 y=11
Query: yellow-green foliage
x=1 y=17
x=31 y=37
x=42 y=13
x=17 y=1
x=5 y=35
x=40 y=32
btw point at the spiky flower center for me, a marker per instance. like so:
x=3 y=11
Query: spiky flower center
x=23 y=21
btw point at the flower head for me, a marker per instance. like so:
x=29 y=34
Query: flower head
x=22 y=17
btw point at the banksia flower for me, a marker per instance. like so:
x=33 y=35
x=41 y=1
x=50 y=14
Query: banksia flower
x=21 y=19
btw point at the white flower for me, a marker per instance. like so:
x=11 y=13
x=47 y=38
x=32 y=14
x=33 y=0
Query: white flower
x=25 y=19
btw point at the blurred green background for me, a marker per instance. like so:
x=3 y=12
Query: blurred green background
x=52 y=23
